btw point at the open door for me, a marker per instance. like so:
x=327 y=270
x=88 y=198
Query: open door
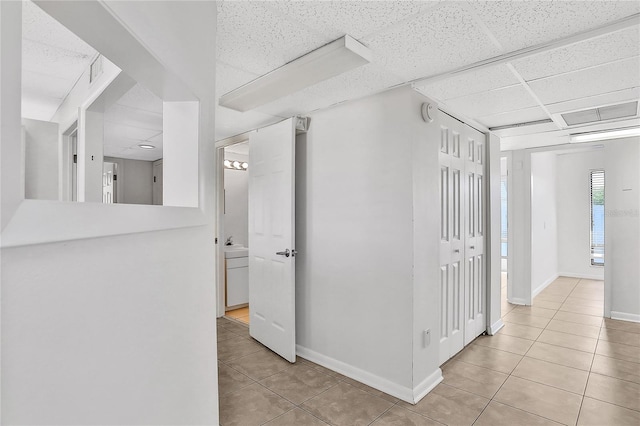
x=272 y=237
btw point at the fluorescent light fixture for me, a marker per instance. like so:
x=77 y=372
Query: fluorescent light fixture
x=146 y=146
x=328 y=61
x=605 y=134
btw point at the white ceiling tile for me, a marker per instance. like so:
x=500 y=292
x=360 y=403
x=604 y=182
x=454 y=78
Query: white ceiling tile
x=612 y=47
x=46 y=85
x=38 y=107
x=606 y=78
x=356 y=18
x=133 y=117
x=492 y=102
x=55 y=61
x=469 y=83
x=519 y=24
x=514 y=117
x=357 y=83
x=441 y=39
x=595 y=101
x=38 y=26
x=119 y=132
x=229 y=78
x=255 y=39
x=139 y=97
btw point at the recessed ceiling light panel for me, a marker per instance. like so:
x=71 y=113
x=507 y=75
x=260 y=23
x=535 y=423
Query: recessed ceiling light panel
x=146 y=146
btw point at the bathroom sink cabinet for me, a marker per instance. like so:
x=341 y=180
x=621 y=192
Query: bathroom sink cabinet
x=237 y=281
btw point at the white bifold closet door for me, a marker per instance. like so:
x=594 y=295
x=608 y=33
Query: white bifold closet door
x=462 y=230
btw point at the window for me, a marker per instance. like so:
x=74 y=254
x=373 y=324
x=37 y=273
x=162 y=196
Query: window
x=503 y=214
x=597 y=217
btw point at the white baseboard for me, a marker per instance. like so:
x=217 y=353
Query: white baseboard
x=517 y=301
x=404 y=393
x=495 y=327
x=543 y=285
x=625 y=316
x=581 y=276
x=427 y=385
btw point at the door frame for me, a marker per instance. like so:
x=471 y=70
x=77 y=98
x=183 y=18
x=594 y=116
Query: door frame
x=510 y=228
x=219 y=249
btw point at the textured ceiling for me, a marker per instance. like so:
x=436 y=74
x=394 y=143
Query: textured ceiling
x=422 y=39
x=53 y=59
x=136 y=118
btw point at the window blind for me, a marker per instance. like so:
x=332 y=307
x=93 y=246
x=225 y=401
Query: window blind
x=597 y=218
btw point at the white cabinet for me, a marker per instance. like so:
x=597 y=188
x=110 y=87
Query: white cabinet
x=237 y=281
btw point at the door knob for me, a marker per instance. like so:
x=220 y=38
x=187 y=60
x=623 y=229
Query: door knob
x=285 y=253
x=472 y=247
x=456 y=251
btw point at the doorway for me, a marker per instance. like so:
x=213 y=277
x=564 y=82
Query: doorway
x=235 y=237
x=269 y=259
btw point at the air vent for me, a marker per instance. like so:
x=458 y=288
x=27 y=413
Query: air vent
x=96 y=69
x=629 y=109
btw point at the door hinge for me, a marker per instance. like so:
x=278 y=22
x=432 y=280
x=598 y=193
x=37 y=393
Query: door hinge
x=75 y=158
x=216 y=240
x=115 y=177
x=154 y=179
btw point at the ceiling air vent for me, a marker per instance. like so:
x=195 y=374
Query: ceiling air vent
x=594 y=115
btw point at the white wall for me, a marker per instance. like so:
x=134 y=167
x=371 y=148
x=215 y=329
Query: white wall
x=622 y=228
x=236 y=206
x=544 y=233
x=104 y=329
x=359 y=306
x=41 y=159
x=110 y=331
x=574 y=219
x=135 y=180
x=494 y=293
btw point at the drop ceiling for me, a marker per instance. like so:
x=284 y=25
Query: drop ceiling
x=53 y=59
x=419 y=42
x=424 y=39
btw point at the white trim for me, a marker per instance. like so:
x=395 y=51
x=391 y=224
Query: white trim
x=623 y=316
x=68 y=221
x=517 y=301
x=543 y=286
x=581 y=276
x=495 y=327
x=427 y=385
x=404 y=393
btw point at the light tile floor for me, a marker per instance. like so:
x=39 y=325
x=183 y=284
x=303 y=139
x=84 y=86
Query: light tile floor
x=553 y=363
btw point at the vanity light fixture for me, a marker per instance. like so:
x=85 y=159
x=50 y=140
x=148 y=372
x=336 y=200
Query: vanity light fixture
x=605 y=134
x=330 y=60
x=146 y=146
x=236 y=165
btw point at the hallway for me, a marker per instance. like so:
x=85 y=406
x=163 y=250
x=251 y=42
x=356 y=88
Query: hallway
x=557 y=362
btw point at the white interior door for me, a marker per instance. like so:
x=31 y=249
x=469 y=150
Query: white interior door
x=462 y=223
x=272 y=237
x=475 y=291
x=108 y=171
x=451 y=241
